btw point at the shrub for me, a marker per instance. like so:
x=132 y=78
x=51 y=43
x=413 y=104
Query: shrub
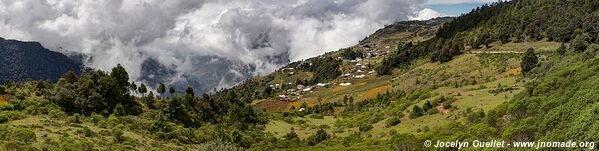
x=95 y=117
x=24 y=135
x=392 y=121
x=432 y=111
x=291 y=136
x=324 y=126
x=365 y=127
x=317 y=116
x=447 y=105
x=6 y=116
x=416 y=112
x=320 y=136
x=117 y=133
x=85 y=131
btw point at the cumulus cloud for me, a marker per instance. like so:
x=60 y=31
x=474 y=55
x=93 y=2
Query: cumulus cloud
x=426 y=14
x=189 y=38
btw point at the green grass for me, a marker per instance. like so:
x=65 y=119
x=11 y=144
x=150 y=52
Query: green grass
x=46 y=127
x=280 y=128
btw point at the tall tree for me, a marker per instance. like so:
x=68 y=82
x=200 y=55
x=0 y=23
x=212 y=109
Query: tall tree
x=142 y=89
x=529 y=60
x=121 y=78
x=133 y=87
x=161 y=89
x=171 y=90
x=70 y=76
x=189 y=90
x=149 y=100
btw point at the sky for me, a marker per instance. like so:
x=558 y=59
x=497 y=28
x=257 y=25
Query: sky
x=249 y=37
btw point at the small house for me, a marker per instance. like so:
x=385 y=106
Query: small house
x=283 y=98
x=345 y=84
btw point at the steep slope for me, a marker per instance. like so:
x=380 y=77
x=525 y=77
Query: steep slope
x=435 y=86
x=20 y=61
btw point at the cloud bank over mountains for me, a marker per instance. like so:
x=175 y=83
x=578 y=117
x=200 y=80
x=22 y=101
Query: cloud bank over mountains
x=213 y=43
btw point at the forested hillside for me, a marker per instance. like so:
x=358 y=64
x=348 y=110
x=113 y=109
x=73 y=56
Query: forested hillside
x=523 y=70
x=21 y=61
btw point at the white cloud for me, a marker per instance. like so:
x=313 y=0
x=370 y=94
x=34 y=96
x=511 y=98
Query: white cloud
x=245 y=32
x=426 y=14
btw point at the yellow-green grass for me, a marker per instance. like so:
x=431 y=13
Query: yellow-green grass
x=285 y=78
x=539 y=46
x=359 y=89
x=43 y=125
x=475 y=99
x=280 y=128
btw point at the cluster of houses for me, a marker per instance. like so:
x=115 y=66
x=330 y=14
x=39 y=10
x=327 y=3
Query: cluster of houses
x=372 y=51
x=359 y=70
x=292 y=95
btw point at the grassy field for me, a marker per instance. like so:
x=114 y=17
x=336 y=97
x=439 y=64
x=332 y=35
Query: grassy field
x=49 y=129
x=470 y=78
x=311 y=125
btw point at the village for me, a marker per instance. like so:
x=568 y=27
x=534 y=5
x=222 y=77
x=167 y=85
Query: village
x=353 y=70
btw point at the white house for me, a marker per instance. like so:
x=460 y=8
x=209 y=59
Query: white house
x=322 y=84
x=345 y=84
x=307 y=89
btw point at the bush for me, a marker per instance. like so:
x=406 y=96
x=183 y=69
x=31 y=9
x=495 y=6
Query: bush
x=416 y=112
x=447 y=105
x=291 y=136
x=95 y=117
x=392 y=121
x=117 y=133
x=320 y=136
x=365 y=127
x=317 y=116
x=85 y=131
x=432 y=111
x=6 y=116
x=324 y=126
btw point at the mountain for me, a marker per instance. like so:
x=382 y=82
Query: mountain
x=506 y=72
x=22 y=61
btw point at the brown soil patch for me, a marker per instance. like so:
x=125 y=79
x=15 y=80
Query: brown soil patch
x=443 y=110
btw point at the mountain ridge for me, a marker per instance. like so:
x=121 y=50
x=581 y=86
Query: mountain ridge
x=21 y=61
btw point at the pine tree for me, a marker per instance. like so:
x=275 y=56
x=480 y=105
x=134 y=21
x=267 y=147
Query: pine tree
x=416 y=112
x=427 y=106
x=529 y=60
x=142 y=89
x=161 y=89
x=189 y=90
x=171 y=90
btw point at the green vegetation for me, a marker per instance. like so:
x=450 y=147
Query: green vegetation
x=463 y=82
x=529 y=60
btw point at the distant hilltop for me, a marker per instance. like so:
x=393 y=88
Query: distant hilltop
x=21 y=61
